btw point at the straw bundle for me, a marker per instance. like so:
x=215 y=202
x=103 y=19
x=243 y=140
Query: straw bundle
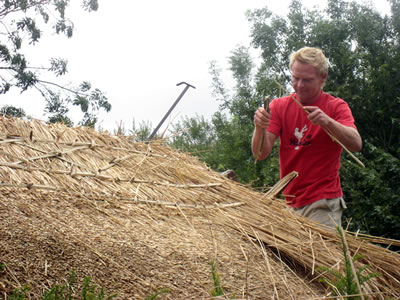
x=137 y=217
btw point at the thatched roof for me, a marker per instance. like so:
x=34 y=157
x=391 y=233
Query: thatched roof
x=138 y=217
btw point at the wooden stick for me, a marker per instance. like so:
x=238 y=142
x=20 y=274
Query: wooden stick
x=28 y=186
x=261 y=143
x=324 y=129
x=11 y=140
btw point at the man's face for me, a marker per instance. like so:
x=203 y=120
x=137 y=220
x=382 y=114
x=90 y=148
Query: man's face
x=307 y=82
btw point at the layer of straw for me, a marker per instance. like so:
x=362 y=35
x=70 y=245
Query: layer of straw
x=138 y=217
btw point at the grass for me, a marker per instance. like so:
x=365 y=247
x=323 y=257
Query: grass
x=347 y=283
x=89 y=291
x=217 y=290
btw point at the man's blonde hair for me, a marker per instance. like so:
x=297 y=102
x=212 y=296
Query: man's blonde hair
x=311 y=56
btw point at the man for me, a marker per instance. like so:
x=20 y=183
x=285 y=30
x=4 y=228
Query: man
x=304 y=146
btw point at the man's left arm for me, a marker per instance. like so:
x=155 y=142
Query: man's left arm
x=347 y=135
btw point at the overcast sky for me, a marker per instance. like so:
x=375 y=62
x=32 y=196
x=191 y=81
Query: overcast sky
x=137 y=51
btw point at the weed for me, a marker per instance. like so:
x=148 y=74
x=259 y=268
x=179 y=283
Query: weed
x=89 y=291
x=65 y=291
x=217 y=290
x=349 y=283
x=19 y=294
x=61 y=291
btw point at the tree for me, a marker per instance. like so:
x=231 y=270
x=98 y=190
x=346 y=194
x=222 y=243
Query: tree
x=142 y=133
x=21 y=22
x=194 y=135
x=225 y=142
x=12 y=111
x=362 y=48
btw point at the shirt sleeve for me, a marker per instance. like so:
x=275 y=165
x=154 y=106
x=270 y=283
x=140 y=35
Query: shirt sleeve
x=343 y=114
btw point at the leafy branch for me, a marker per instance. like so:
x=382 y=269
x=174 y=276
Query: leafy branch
x=19 y=24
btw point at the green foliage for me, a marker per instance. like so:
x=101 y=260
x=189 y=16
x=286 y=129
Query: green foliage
x=89 y=103
x=217 y=290
x=225 y=141
x=373 y=193
x=57 y=109
x=142 y=133
x=362 y=48
x=11 y=111
x=196 y=135
x=66 y=291
x=344 y=284
x=19 y=294
x=61 y=291
x=91 y=292
x=219 y=90
x=233 y=124
x=21 y=21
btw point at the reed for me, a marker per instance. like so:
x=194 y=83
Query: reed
x=136 y=216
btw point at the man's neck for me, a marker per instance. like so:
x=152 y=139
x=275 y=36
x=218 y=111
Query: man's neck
x=310 y=101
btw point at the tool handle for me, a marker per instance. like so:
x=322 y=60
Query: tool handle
x=266 y=107
x=266 y=104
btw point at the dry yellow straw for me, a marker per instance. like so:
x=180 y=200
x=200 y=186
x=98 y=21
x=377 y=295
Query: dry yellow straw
x=324 y=129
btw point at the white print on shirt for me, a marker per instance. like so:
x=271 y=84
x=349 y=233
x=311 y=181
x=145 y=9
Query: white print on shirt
x=299 y=135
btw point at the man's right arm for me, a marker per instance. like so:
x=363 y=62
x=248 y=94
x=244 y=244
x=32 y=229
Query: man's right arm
x=263 y=140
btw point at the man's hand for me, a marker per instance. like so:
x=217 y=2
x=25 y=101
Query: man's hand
x=348 y=136
x=262 y=140
x=261 y=118
x=317 y=116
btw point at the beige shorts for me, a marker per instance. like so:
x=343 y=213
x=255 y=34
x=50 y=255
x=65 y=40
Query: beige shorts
x=325 y=211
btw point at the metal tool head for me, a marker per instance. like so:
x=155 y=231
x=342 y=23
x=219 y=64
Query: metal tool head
x=183 y=82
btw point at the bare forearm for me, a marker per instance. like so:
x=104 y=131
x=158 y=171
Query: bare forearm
x=262 y=143
x=348 y=136
x=263 y=140
x=256 y=141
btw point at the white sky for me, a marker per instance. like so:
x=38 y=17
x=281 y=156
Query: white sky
x=137 y=51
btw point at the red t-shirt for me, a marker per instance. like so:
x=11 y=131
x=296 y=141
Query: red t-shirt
x=307 y=149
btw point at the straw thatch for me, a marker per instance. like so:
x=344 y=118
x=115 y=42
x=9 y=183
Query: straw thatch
x=138 y=217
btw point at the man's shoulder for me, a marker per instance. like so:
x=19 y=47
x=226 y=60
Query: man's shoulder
x=338 y=109
x=282 y=101
x=332 y=99
x=331 y=103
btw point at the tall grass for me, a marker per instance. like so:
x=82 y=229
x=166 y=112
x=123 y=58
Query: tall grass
x=217 y=290
x=348 y=282
x=89 y=291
